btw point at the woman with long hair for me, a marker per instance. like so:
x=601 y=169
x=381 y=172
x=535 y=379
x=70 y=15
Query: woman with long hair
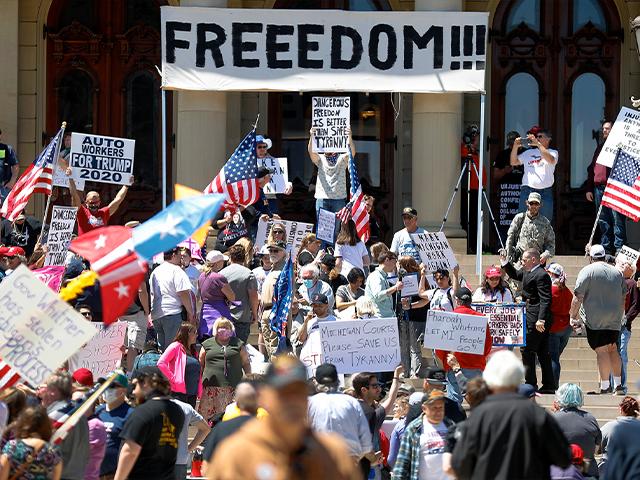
x=15 y=400
x=215 y=292
x=247 y=245
x=30 y=456
x=350 y=251
x=494 y=288
x=309 y=250
x=560 y=331
x=278 y=233
x=330 y=273
x=181 y=366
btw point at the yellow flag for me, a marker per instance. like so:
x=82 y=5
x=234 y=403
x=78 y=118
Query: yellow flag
x=181 y=191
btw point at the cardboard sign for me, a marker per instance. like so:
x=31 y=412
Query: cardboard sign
x=455 y=332
x=326 y=229
x=434 y=250
x=330 y=122
x=102 y=353
x=50 y=276
x=102 y=159
x=280 y=177
x=630 y=254
x=311 y=353
x=38 y=330
x=509 y=204
x=410 y=284
x=60 y=179
x=323 y=50
x=295 y=233
x=192 y=245
x=370 y=345
x=624 y=135
x=63 y=220
x=507 y=323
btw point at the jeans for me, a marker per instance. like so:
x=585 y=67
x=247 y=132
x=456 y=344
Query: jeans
x=4 y=193
x=410 y=348
x=557 y=342
x=625 y=337
x=453 y=390
x=613 y=225
x=166 y=329
x=546 y=208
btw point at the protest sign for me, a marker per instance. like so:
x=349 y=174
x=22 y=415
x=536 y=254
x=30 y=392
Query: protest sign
x=326 y=226
x=311 y=353
x=280 y=176
x=630 y=254
x=624 y=134
x=102 y=353
x=434 y=250
x=60 y=179
x=193 y=246
x=507 y=323
x=102 y=159
x=63 y=220
x=50 y=276
x=410 y=284
x=455 y=332
x=330 y=123
x=509 y=206
x=370 y=345
x=295 y=233
x=38 y=330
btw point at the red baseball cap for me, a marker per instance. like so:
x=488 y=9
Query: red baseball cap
x=83 y=376
x=3 y=251
x=535 y=129
x=13 y=251
x=493 y=272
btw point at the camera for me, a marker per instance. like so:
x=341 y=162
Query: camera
x=525 y=142
x=469 y=134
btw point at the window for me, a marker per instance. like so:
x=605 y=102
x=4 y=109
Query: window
x=521 y=111
x=527 y=11
x=75 y=100
x=587 y=114
x=585 y=11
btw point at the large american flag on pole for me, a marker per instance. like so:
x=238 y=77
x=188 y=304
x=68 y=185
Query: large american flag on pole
x=356 y=208
x=238 y=179
x=36 y=179
x=8 y=376
x=622 y=192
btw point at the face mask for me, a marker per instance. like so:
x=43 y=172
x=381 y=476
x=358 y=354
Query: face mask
x=308 y=282
x=93 y=208
x=224 y=334
x=110 y=395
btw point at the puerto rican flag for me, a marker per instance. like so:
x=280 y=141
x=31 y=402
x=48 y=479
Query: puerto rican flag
x=356 y=208
x=622 y=192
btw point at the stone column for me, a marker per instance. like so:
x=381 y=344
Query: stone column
x=437 y=121
x=9 y=72
x=201 y=131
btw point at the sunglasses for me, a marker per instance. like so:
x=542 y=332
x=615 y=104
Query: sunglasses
x=263 y=147
x=541 y=136
x=86 y=314
x=278 y=231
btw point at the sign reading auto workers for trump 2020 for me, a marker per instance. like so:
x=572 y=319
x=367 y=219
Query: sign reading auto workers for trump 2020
x=96 y=158
x=322 y=50
x=330 y=122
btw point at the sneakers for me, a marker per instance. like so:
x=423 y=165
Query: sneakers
x=602 y=391
x=619 y=391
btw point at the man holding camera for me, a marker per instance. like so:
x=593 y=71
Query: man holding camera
x=539 y=163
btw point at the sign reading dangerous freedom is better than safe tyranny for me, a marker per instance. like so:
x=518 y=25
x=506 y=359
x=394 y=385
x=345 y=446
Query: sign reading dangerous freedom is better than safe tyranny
x=63 y=219
x=330 y=118
x=96 y=158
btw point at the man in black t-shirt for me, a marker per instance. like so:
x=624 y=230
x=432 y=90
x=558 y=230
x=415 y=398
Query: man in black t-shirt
x=9 y=169
x=150 y=435
x=22 y=232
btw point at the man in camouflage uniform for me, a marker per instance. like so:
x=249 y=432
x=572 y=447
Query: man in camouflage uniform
x=531 y=229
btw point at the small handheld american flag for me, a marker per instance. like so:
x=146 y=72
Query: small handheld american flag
x=622 y=192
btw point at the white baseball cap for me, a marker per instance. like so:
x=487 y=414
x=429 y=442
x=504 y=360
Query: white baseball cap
x=215 y=256
x=597 y=251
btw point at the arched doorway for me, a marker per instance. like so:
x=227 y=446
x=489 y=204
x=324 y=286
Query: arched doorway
x=101 y=78
x=557 y=64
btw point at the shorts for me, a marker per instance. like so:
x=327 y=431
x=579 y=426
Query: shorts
x=600 y=338
x=136 y=330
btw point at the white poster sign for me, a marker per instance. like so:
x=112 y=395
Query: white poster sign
x=330 y=117
x=353 y=346
x=323 y=50
x=326 y=226
x=60 y=178
x=38 y=330
x=410 y=284
x=507 y=323
x=434 y=250
x=630 y=254
x=455 y=332
x=103 y=353
x=311 y=353
x=280 y=177
x=295 y=233
x=102 y=159
x=63 y=220
x=624 y=134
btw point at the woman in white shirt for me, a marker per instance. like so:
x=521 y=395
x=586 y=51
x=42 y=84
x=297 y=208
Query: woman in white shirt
x=494 y=289
x=350 y=251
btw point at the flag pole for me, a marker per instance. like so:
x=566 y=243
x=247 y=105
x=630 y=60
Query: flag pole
x=255 y=125
x=55 y=163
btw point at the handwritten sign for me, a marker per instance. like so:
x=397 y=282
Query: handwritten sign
x=311 y=352
x=295 y=233
x=434 y=250
x=330 y=121
x=509 y=205
x=630 y=254
x=38 y=331
x=280 y=176
x=455 y=332
x=624 y=135
x=102 y=354
x=361 y=345
x=50 y=276
x=60 y=179
x=507 y=323
x=102 y=159
x=63 y=220
x=410 y=284
x=326 y=226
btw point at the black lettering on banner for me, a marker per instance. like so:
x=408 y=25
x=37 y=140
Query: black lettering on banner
x=337 y=62
x=171 y=40
x=481 y=32
x=374 y=45
x=239 y=46
x=467 y=40
x=212 y=45
x=412 y=37
x=455 y=47
x=305 y=45
x=273 y=46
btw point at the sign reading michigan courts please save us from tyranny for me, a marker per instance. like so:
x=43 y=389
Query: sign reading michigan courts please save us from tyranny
x=323 y=50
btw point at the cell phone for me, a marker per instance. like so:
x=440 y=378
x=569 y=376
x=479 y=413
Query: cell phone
x=525 y=142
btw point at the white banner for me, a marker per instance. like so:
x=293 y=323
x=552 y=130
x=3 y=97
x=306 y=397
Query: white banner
x=60 y=178
x=63 y=220
x=624 y=135
x=353 y=346
x=507 y=323
x=330 y=117
x=311 y=353
x=323 y=50
x=410 y=284
x=455 y=332
x=434 y=250
x=280 y=177
x=38 y=330
x=295 y=233
x=102 y=354
x=326 y=226
x=101 y=159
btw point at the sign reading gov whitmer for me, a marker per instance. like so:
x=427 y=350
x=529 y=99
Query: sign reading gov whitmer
x=323 y=50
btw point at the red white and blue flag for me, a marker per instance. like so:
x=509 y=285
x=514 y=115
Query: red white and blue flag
x=36 y=179
x=622 y=192
x=281 y=301
x=356 y=208
x=238 y=179
x=8 y=376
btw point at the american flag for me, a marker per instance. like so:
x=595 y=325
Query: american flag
x=356 y=208
x=238 y=178
x=622 y=192
x=8 y=376
x=36 y=178
x=281 y=304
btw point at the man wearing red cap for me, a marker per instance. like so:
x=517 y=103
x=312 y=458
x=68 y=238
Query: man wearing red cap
x=12 y=258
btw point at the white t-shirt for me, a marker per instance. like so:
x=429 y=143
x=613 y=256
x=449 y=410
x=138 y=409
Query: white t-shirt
x=351 y=256
x=332 y=179
x=538 y=173
x=496 y=297
x=261 y=275
x=166 y=281
x=194 y=274
x=432 y=444
x=440 y=299
x=402 y=244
